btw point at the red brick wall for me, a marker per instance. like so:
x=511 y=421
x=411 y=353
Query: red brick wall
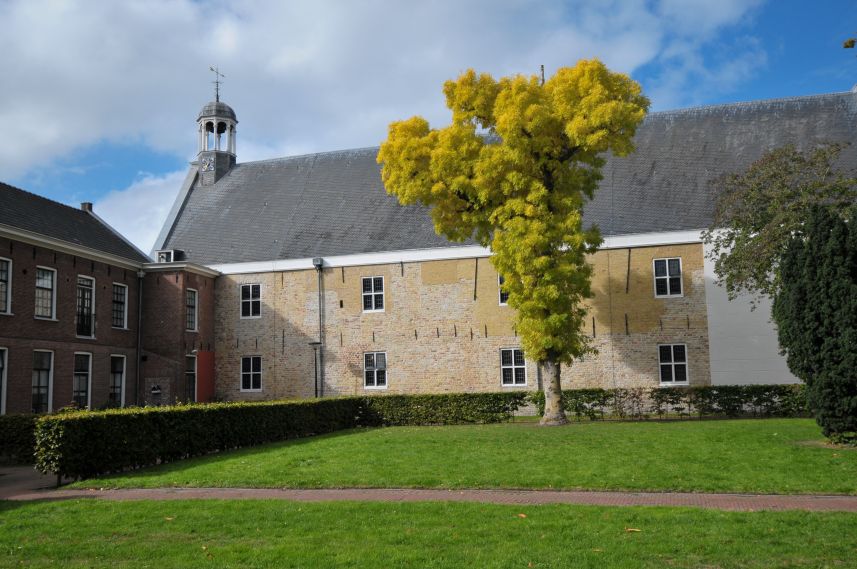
x=166 y=343
x=21 y=333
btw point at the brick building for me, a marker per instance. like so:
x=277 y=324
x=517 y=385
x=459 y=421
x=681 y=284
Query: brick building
x=70 y=319
x=328 y=287
x=301 y=277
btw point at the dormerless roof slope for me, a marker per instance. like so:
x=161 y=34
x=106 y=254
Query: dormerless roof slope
x=334 y=203
x=28 y=212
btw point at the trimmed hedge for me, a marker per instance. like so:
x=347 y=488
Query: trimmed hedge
x=445 y=409
x=17 y=439
x=704 y=401
x=83 y=444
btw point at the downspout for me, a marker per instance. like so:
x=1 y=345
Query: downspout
x=318 y=263
x=140 y=275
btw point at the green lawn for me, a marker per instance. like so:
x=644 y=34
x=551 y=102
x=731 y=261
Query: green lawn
x=90 y=533
x=767 y=456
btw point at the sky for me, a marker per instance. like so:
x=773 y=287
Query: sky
x=99 y=99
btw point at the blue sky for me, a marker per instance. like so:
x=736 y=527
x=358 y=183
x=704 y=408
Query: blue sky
x=99 y=98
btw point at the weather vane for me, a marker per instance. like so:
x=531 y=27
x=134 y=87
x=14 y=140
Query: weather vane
x=217 y=81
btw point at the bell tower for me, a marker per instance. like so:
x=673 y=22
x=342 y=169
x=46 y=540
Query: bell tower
x=216 y=148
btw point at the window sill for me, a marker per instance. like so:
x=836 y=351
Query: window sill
x=6 y=314
x=374 y=311
x=669 y=295
x=375 y=388
x=84 y=337
x=675 y=384
x=250 y=317
x=251 y=390
x=125 y=328
x=508 y=385
x=196 y=330
x=46 y=319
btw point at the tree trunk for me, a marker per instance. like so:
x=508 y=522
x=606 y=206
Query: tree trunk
x=554 y=413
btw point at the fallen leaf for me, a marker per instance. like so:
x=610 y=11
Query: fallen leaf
x=204 y=548
x=629 y=530
x=598 y=550
x=522 y=515
x=169 y=519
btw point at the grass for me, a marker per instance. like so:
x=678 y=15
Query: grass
x=350 y=534
x=759 y=456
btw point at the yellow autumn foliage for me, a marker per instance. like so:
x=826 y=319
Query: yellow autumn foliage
x=513 y=171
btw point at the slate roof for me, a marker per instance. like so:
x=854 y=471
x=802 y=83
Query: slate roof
x=29 y=212
x=334 y=203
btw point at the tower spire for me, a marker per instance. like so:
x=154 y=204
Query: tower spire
x=217 y=81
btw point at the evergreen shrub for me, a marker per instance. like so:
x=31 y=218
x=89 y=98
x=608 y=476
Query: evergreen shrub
x=17 y=439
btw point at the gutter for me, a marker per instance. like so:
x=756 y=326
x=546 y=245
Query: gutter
x=318 y=263
x=140 y=275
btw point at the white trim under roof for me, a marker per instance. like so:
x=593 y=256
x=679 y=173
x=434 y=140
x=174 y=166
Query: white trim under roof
x=181 y=266
x=65 y=247
x=441 y=254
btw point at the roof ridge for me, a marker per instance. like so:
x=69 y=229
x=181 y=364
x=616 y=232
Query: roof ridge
x=309 y=155
x=739 y=104
x=43 y=198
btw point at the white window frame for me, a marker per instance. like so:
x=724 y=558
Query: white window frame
x=195 y=310
x=513 y=367
x=372 y=294
x=251 y=372
x=672 y=364
x=680 y=276
x=251 y=300
x=125 y=314
x=50 y=380
x=8 y=311
x=375 y=370
x=124 y=378
x=91 y=279
x=169 y=252
x=53 y=316
x=88 y=379
x=500 y=292
x=4 y=355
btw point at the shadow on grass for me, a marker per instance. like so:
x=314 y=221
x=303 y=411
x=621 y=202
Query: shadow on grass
x=219 y=456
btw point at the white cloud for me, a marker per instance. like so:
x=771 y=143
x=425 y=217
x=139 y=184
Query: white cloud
x=314 y=74
x=139 y=211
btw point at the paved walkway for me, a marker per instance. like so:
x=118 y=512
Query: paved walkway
x=738 y=502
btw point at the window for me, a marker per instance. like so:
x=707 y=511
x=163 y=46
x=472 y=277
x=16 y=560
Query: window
x=119 y=313
x=165 y=256
x=190 y=378
x=85 y=304
x=3 y=353
x=80 y=384
x=251 y=373
x=375 y=370
x=45 y=300
x=373 y=294
x=251 y=301
x=5 y=286
x=668 y=277
x=190 y=314
x=116 y=393
x=504 y=296
x=512 y=366
x=673 y=360
x=43 y=364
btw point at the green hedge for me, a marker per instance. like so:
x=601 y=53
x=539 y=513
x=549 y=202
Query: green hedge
x=705 y=401
x=446 y=409
x=83 y=444
x=17 y=439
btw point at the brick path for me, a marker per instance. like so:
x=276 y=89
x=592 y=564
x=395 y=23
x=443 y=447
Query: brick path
x=738 y=502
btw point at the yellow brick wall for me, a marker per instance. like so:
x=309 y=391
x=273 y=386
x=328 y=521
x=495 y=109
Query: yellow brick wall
x=442 y=327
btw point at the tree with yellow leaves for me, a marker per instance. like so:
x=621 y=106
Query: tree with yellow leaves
x=513 y=171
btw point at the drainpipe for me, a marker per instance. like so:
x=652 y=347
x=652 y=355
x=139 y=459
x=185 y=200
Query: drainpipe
x=318 y=263
x=140 y=275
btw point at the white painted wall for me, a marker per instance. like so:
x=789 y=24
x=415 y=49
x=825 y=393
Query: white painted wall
x=742 y=344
